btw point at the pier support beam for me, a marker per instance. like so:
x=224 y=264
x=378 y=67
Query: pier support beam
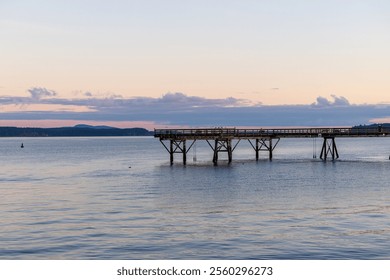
x=171 y=151
x=184 y=151
x=215 y=157
x=264 y=144
x=222 y=145
x=329 y=147
x=177 y=146
x=270 y=149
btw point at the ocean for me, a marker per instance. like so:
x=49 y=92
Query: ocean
x=119 y=198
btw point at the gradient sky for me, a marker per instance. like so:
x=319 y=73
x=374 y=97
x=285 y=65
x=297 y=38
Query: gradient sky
x=256 y=52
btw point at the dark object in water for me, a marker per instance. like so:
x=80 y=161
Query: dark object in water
x=22 y=146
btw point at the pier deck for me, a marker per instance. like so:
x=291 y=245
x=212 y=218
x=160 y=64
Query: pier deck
x=220 y=139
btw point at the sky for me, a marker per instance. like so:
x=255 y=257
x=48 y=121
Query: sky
x=170 y=63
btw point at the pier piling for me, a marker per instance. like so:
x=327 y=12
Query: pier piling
x=329 y=147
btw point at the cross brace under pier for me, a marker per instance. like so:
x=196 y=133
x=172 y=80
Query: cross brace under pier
x=177 y=147
x=222 y=145
x=262 y=145
x=329 y=148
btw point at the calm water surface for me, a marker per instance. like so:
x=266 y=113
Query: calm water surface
x=118 y=198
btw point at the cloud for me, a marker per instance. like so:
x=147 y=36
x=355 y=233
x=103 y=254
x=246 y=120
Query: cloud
x=340 y=101
x=38 y=92
x=184 y=110
x=180 y=99
x=117 y=105
x=322 y=102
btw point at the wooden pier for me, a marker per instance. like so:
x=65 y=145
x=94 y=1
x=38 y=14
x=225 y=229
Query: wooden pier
x=221 y=139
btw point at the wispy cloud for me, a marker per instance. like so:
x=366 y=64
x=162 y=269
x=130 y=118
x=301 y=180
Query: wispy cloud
x=181 y=109
x=181 y=99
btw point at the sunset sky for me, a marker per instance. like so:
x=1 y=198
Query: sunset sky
x=194 y=63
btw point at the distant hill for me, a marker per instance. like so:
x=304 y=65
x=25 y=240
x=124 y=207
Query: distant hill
x=375 y=125
x=75 y=131
x=94 y=127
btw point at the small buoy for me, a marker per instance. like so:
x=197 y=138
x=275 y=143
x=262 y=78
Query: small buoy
x=22 y=146
x=129 y=166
